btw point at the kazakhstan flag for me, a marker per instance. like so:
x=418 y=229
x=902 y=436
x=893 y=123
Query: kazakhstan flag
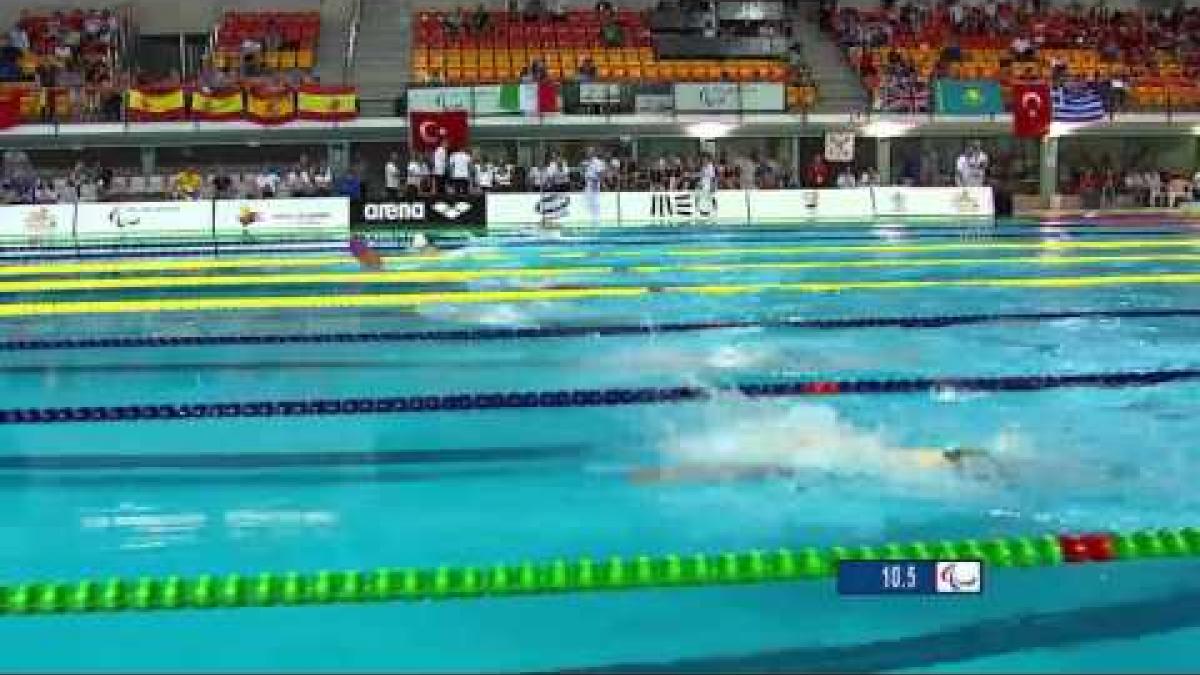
x=968 y=97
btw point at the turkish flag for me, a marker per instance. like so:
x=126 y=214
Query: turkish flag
x=427 y=129
x=1032 y=110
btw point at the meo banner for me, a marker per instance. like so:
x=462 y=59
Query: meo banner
x=282 y=216
x=726 y=207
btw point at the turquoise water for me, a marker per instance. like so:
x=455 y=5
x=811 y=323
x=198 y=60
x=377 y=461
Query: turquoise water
x=507 y=485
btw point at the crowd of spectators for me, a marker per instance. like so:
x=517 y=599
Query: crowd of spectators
x=63 y=49
x=1127 y=44
x=93 y=182
x=1109 y=187
x=473 y=172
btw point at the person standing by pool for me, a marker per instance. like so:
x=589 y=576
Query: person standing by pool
x=441 y=155
x=593 y=175
x=391 y=177
x=707 y=193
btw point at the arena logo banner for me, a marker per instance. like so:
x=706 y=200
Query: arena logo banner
x=144 y=219
x=782 y=206
x=727 y=207
x=36 y=224
x=932 y=202
x=282 y=216
x=554 y=209
x=462 y=211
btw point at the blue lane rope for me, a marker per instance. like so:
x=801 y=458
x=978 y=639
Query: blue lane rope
x=522 y=333
x=578 y=398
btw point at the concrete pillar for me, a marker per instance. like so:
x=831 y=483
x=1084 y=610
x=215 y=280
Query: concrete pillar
x=883 y=160
x=149 y=160
x=1048 y=176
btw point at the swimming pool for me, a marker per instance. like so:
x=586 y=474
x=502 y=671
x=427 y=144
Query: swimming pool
x=450 y=477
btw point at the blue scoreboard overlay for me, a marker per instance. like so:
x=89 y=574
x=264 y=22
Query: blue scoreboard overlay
x=909 y=577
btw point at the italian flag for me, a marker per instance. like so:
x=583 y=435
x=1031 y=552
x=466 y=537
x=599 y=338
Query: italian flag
x=530 y=98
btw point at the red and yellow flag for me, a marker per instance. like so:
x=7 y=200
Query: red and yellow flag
x=269 y=105
x=217 y=104
x=149 y=103
x=315 y=102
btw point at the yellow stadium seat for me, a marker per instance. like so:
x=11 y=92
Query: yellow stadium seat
x=287 y=59
x=304 y=58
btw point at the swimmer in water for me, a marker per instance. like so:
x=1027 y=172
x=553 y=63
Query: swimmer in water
x=973 y=463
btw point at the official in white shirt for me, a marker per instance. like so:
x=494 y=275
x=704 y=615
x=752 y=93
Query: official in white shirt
x=440 y=157
x=593 y=175
x=392 y=177
x=460 y=171
x=415 y=177
x=485 y=175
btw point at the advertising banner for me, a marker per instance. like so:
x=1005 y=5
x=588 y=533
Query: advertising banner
x=36 y=224
x=482 y=100
x=282 y=216
x=931 y=201
x=729 y=97
x=725 y=207
x=144 y=219
x=599 y=93
x=562 y=209
x=784 y=206
x=449 y=212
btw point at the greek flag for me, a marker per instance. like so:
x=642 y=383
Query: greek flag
x=1077 y=105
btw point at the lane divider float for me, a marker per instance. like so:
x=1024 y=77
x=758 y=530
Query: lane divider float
x=323 y=261
x=546 y=332
x=562 y=576
x=577 y=398
x=463 y=275
x=567 y=293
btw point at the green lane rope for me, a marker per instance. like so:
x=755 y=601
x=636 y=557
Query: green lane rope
x=583 y=575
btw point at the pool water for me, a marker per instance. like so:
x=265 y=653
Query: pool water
x=312 y=492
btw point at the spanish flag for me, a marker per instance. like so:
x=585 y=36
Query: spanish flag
x=217 y=104
x=149 y=104
x=270 y=105
x=314 y=102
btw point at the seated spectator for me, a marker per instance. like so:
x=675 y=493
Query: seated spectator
x=1022 y=49
x=604 y=7
x=434 y=78
x=350 y=185
x=612 y=34
x=534 y=9
x=452 y=23
x=846 y=178
x=10 y=61
x=588 y=70
x=272 y=37
x=952 y=53
x=480 y=20
x=18 y=37
x=44 y=193
x=537 y=70
x=323 y=180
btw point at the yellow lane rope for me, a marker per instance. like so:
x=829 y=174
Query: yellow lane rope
x=325 y=261
x=456 y=297
x=463 y=275
x=431 y=276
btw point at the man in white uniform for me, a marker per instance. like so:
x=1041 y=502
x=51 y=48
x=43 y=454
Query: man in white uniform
x=391 y=177
x=593 y=175
x=706 y=197
x=460 y=171
x=485 y=175
x=971 y=167
x=416 y=174
x=440 y=156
